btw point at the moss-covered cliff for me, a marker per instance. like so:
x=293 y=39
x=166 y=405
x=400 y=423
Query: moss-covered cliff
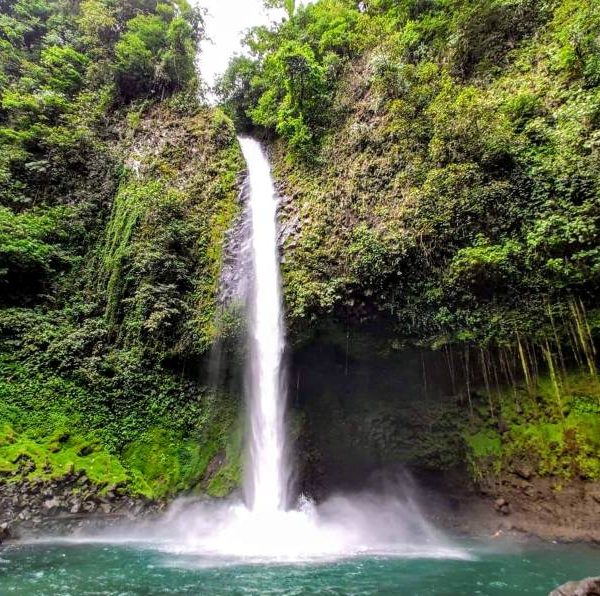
x=439 y=169
x=106 y=377
x=118 y=187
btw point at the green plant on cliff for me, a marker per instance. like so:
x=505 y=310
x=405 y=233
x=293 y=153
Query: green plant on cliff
x=52 y=425
x=296 y=95
x=528 y=431
x=461 y=137
x=110 y=244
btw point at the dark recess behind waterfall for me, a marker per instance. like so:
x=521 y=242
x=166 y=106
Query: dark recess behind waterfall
x=370 y=408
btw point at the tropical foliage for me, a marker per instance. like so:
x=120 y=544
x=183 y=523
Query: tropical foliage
x=110 y=239
x=443 y=156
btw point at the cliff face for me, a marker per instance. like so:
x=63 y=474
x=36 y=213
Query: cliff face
x=439 y=162
x=439 y=171
x=446 y=186
x=105 y=380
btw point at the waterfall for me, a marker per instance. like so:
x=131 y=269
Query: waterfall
x=268 y=471
x=269 y=525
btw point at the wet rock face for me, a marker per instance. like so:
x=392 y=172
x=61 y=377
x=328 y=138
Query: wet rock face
x=37 y=505
x=546 y=506
x=366 y=406
x=585 y=587
x=236 y=266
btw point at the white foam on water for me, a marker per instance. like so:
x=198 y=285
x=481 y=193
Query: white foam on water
x=341 y=527
x=227 y=532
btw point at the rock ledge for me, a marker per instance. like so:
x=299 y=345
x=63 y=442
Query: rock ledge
x=586 y=587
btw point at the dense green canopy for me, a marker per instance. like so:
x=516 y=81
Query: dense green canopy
x=64 y=66
x=116 y=186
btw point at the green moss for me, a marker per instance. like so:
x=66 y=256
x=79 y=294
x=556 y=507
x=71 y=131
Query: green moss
x=165 y=462
x=58 y=455
x=225 y=480
x=485 y=443
x=229 y=476
x=55 y=426
x=484 y=452
x=562 y=442
x=129 y=205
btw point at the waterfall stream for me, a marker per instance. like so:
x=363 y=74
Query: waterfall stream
x=267 y=475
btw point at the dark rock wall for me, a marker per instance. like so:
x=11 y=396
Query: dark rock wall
x=368 y=406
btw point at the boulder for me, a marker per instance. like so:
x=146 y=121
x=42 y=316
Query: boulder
x=4 y=532
x=585 y=587
x=524 y=471
x=502 y=506
x=89 y=506
x=51 y=504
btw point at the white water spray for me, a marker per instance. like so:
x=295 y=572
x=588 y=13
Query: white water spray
x=268 y=473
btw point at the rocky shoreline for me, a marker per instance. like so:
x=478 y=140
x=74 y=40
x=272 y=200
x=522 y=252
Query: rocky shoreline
x=30 y=507
x=530 y=507
x=535 y=506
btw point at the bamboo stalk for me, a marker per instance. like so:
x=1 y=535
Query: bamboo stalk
x=468 y=381
x=553 y=378
x=487 y=382
x=524 y=366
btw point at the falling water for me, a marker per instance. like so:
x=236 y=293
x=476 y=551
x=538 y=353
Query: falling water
x=267 y=478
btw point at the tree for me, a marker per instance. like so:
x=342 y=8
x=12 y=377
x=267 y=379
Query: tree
x=237 y=92
x=156 y=54
x=288 y=5
x=297 y=97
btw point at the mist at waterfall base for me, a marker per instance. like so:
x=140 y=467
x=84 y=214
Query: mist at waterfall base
x=227 y=532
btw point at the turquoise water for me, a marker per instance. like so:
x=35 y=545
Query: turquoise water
x=81 y=569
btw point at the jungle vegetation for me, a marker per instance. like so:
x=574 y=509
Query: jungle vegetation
x=116 y=185
x=442 y=158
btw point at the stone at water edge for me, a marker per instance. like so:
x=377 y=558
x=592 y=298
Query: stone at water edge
x=4 y=532
x=502 y=506
x=586 y=587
